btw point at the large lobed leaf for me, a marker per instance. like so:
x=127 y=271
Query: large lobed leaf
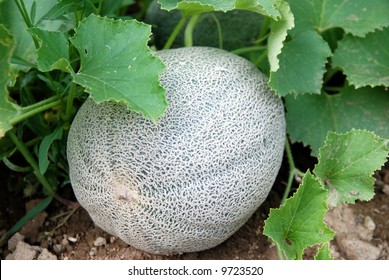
x=310 y=117
x=303 y=58
x=299 y=222
x=266 y=7
x=347 y=162
x=116 y=64
x=13 y=21
x=357 y=17
x=8 y=110
x=302 y=64
x=53 y=52
x=365 y=61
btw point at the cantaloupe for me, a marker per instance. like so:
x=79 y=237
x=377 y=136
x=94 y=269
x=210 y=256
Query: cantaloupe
x=239 y=28
x=189 y=181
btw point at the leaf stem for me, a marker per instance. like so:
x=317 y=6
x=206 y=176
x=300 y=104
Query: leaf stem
x=189 y=30
x=219 y=31
x=264 y=29
x=248 y=49
x=69 y=102
x=294 y=173
x=35 y=109
x=175 y=32
x=23 y=11
x=261 y=58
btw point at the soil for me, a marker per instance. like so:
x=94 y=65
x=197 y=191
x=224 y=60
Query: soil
x=58 y=233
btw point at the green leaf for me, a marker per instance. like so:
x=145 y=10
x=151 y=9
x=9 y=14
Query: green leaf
x=278 y=33
x=266 y=7
x=299 y=222
x=43 y=158
x=347 y=162
x=365 y=61
x=302 y=65
x=62 y=8
x=324 y=252
x=8 y=109
x=53 y=52
x=42 y=205
x=116 y=64
x=13 y=21
x=310 y=117
x=357 y=17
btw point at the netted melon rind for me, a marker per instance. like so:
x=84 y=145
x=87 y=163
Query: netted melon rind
x=189 y=181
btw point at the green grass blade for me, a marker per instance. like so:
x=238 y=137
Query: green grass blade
x=30 y=215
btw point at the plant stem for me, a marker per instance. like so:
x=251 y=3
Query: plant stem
x=293 y=171
x=261 y=58
x=248 y=49
x=30 y=159
x=264 y=29
x=175 y=32
x=35 y=109
x=41 y=103
x=189 y=30
x=23 y=11
x=219 y=31
x=69 y=102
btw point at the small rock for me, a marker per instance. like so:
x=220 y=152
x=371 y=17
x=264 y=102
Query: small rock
x=58 y=249
x=24 y=251
x=49 y=240
x=112 y=239
x=369 y=223
x=100 y=241
x=65 y=242
x=93 y=251
x=46 y=255
x=357 y=249
x=334 y=252
x=13 y=241
x=385 y=189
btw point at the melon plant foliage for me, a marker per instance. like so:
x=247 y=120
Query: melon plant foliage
x=328 y=60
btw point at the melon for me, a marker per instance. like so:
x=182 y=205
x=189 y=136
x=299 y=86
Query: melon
x=239 y=28
x=190 y=180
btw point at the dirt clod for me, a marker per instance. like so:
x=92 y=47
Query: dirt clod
x=24 y=251
x=46 y=255
x=100 y=241
x=13 y=241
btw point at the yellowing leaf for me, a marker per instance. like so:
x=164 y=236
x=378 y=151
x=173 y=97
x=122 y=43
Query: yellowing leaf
x=347 y=162
x=8 y=110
